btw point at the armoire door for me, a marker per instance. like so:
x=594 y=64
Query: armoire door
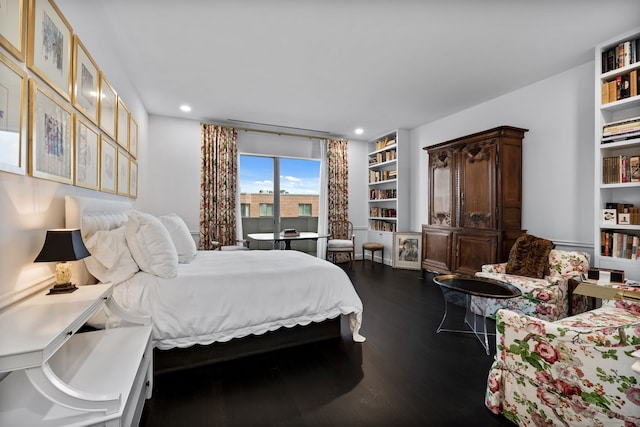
x=442 y=188
x=436 y=249
x=477 y=192
x=472 y=250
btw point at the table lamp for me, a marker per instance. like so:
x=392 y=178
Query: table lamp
x=62 y=245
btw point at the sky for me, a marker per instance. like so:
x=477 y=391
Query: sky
x=297 y=176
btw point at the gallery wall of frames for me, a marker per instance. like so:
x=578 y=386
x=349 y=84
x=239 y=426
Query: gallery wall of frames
x=60 y=118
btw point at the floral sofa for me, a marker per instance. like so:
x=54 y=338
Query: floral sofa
x=545 y=298
x=572 y=372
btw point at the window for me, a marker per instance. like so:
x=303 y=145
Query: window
x=245 y=210
x=266 y=209
x=304 y=209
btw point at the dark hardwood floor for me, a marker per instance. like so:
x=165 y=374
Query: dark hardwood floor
x=403 y=375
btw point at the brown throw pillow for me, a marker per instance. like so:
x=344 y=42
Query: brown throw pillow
x=529 y=257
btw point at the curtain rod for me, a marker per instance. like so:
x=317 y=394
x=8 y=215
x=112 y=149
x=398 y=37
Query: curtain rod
x=275 y=132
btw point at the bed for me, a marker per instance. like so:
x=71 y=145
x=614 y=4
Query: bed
x=208 y=306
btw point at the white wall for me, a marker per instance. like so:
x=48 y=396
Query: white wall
x=557 y=171
x=558 y=153
x=30 y=206
x=173 y=176
x=171 y=181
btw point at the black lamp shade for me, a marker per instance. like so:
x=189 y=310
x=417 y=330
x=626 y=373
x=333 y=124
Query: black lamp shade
x=62 y=245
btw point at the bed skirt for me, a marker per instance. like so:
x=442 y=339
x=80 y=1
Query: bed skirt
x=176 y=359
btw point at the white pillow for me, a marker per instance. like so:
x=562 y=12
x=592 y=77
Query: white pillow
x=110 y=260
x=340 y=243
x=182 y=240
x=151 y=245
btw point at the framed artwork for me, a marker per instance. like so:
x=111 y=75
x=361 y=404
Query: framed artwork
x=107 y=108
x=624 y=218
x=108 y=161
x=50 y=46
x=407 y=248
x=133 y=137
x=133 y=179
x=13 y=119
x=50 y=136
x=123 y=172
x=87 y=147
x=85 y=81
x=12 y=20
x=123 y=125
x=609 y=216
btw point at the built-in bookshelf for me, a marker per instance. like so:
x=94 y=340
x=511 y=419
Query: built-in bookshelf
x=388 y=187
x=617 y=154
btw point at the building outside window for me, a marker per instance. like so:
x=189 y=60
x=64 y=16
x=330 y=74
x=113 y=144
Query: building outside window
x=304 y=209
x=266 y=209
x=245 y=210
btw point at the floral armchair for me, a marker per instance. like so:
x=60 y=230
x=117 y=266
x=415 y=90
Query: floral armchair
x=545 y=298
x=573 y=372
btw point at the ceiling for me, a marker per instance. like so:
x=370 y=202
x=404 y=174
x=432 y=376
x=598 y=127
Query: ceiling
x=326 y=67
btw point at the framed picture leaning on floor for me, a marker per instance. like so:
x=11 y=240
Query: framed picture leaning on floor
x=407 y=250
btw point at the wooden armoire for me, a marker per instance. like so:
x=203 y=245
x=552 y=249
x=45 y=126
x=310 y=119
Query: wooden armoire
x=475 y=200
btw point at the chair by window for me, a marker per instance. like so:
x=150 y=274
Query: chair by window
x=341 y=241
x=224 y=239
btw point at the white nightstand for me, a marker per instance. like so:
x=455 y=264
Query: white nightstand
x=58 y=377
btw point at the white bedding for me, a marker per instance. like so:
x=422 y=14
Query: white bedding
x=219 y=295
x=223 y=295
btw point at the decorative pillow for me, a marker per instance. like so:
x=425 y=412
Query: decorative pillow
x=110 y=259
x=568 y=263
x=529 y=256
x=182 y=240
x=151 y=245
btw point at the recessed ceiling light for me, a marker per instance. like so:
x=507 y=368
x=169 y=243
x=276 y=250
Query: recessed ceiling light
x=185 y=108
x=359 y=131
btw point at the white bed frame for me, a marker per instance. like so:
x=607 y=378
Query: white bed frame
x=91 y=215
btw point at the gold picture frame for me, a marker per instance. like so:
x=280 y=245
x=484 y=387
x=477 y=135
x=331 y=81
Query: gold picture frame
x=50 y=136
x=107 y=103
x=86 y=79
x=50 y=44
x=13 y=117
x=12 y=27
x=123 y=172
x=122 y=132
x=87 y=154
x=108 y=165
x=133 y=137
x=133 y=179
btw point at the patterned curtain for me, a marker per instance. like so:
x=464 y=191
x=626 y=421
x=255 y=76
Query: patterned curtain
x=338 y=180
x=338 y=184
x=218 y=184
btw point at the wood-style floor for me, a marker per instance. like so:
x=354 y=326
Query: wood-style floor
x=403 y=375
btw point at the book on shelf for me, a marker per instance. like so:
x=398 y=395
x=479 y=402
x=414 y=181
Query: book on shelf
x=383 y=143
x=621 y=126
x=621 y=55
x=619 y=245
x=380 y=225
x=383 y=194
x=621 y=87
x=620 y=169
x=378 y=176
x=634 y=168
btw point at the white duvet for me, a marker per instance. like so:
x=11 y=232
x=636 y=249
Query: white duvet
x=223 y=295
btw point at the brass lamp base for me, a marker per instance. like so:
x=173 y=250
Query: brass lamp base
x=63 y=288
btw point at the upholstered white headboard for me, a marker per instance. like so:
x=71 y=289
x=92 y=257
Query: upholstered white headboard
x=90 y=215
